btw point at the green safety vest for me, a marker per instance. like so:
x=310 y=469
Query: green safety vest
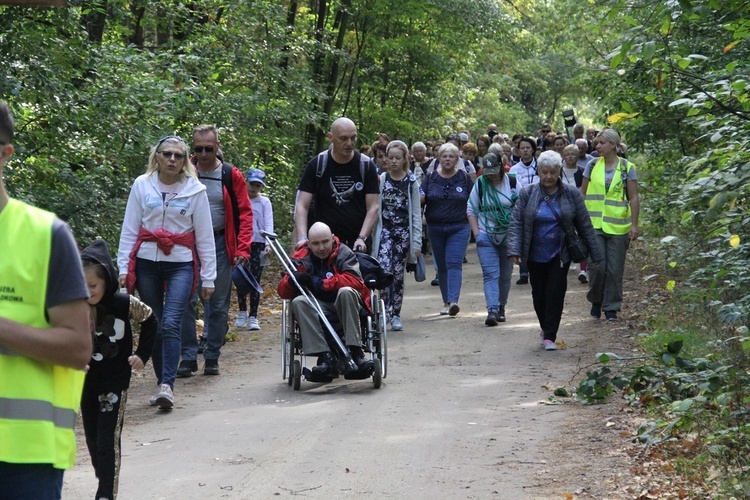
x=38 y=401
x=609 y=209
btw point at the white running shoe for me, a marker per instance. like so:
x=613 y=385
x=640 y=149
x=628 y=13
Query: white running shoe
x=583 y=277
x=241 y=320
x=549 y=345
x=165 y=398
x=252 y=323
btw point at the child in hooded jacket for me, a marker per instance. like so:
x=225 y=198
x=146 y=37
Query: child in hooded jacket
x=106 y=386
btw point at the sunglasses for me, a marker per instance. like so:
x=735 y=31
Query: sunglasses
x=200 y=149
x=172 y=154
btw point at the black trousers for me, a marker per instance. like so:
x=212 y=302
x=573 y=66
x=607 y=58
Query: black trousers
x=549 y=282
x=102 y=415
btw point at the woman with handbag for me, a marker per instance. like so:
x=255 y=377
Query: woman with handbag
x=397 y=236
x=490 y=205
x=543 y=214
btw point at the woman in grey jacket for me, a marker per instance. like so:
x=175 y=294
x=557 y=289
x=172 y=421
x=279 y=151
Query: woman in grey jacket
x=536 y=239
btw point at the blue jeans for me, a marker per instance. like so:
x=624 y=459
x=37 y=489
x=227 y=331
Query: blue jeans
x=24 y=481
x=449 y=244
x=165 y=287
x=217 y=309
x=496 y=270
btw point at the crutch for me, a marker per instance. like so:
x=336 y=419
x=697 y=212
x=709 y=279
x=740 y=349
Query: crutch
x=289 y=267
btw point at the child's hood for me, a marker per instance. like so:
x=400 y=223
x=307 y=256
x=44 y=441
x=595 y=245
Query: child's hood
x=98 y=252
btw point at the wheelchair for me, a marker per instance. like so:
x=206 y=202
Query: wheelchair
x=373 y=329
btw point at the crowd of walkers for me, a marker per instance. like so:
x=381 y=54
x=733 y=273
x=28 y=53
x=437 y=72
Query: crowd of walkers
x=193 y=227
x=520 y=198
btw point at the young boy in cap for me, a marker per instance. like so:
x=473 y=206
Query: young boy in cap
x=259 y=249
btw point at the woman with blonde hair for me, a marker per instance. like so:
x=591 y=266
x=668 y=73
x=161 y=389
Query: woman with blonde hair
x=397 y=237
x=610 y=188
x=167 y=230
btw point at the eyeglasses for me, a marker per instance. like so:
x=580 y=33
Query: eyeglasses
x=200 y=149
x=172 y=154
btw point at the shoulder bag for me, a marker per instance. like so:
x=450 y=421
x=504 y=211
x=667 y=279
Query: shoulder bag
x=577 y=249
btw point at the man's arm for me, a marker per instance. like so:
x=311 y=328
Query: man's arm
x=373 y=206
x=301 y=210
x=245 y=231
x=66 y=343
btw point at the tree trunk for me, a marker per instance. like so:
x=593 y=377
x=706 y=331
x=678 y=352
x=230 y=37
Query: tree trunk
x=95 y=20
x=137 y=35
x=313 y=138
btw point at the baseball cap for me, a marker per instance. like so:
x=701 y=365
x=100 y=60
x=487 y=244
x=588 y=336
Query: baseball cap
x=256 y=175
x=463 y=137
x=491 y=164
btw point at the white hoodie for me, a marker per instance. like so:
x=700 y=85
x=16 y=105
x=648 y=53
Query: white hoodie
x=188 y=211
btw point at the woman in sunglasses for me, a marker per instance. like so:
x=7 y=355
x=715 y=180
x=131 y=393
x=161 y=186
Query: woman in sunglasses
x=167 y=230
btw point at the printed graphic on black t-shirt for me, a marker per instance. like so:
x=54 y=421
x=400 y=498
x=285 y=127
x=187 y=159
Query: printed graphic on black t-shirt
x=339 y=194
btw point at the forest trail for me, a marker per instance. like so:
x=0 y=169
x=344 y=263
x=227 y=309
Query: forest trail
x=465 y=412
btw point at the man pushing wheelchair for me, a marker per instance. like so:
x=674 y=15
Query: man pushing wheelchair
x=329 y=271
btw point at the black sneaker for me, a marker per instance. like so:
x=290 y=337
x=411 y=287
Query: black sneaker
x=435 y=282
x=364 y=365
x=610 y=315
x=501 y=314
x=491 y=319
x=523 y=280
x=187 y=368
x=202 y=344
x=211 y=367
x=596 y=311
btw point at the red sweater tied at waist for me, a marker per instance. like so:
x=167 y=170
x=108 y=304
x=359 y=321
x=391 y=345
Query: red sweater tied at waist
x=165 y=241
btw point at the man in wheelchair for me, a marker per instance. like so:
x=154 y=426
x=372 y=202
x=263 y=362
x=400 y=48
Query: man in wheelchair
x=329 y=270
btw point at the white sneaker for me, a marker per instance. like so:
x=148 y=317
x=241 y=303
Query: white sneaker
x=444 y=311
x=549 y=345
x=396 y=324
x=252 y=323
x=583 y=277
x=152 y=399
x=165 y=398
x=241 y=320
x=573 y=267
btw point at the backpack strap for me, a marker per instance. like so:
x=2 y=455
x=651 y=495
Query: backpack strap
x=322 y=163
x=364 y=160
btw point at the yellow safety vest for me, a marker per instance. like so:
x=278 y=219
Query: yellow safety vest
x=609 y=209
x=38 y=401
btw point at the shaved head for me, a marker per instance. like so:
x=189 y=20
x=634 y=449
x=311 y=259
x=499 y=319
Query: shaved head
x=319 y=230
x=342 y=122
x=343 y=137
x=320 y=240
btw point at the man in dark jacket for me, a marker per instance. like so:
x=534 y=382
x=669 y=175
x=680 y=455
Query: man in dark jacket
x=330 y=271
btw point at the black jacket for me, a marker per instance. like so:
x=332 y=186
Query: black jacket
x=113 y=336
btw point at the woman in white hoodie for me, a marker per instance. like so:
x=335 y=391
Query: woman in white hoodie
x=167 y=230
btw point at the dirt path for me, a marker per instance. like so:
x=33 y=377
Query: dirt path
x=465 y=412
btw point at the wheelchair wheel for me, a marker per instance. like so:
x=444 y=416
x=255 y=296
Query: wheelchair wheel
x=383 y=331
x=296 y=374
x=377 y=373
